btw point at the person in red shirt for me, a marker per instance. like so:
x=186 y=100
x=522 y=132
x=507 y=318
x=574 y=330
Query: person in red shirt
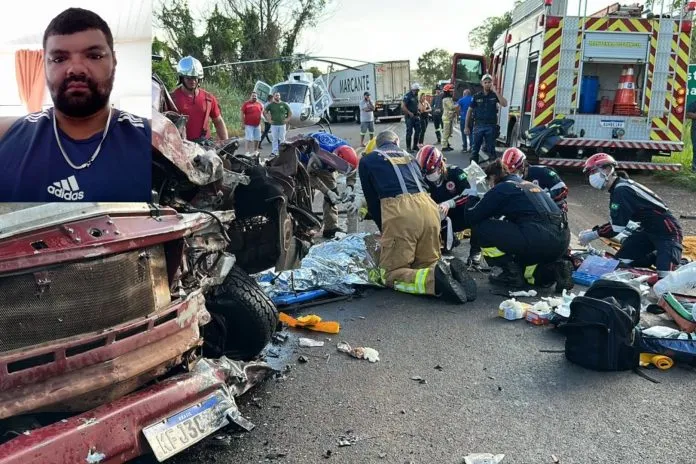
x=251 y=120
x=200 y=106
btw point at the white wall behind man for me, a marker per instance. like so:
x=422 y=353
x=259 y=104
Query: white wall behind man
x=132 y=86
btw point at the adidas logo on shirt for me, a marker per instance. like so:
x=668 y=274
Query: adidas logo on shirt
x=67 y=189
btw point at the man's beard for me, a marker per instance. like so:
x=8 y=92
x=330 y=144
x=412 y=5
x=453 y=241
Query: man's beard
x=82 y=103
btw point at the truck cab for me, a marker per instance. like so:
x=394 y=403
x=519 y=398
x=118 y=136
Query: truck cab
x=467 y=71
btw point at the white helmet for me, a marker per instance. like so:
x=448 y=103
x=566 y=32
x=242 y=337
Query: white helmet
x=188 y=66
x=415 y=86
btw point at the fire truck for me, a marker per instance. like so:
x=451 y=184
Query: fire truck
x=553 y=66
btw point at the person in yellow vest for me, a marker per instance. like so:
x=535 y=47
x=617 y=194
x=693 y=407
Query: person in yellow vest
x=449 y=115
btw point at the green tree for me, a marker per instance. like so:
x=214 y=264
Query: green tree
x=485 y=35
x=434 y=65
x=239 y=30
x=316 y=72
x=164 y=68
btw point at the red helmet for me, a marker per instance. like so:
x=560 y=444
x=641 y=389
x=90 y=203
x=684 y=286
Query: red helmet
x=347 y=154
x=513 y=159
x=599 y=160
x=429 y=159
x=448 y=88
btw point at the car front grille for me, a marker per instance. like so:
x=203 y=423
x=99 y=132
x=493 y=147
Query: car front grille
x=49 y=304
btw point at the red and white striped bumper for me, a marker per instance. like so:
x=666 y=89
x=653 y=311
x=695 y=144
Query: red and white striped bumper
x=637 y=144
x=626 y=165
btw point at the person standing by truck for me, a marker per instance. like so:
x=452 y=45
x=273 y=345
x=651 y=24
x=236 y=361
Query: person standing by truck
x=463 y=104
x=437 y=113
x=449 y=115
x=424 y=111
x=409 y=106
x=483 y=112
x=367 y=118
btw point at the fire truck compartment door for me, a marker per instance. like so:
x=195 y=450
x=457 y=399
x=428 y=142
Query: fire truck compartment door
x=616 y=47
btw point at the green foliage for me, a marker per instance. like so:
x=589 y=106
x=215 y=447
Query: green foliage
x=230 y=100
x=239 y=30
x=485 y=35
x=165 y=68
x=316 y=72
x=434 y=65
x=685 y=177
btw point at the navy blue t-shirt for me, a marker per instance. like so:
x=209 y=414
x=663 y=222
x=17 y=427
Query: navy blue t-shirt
x=32 y=167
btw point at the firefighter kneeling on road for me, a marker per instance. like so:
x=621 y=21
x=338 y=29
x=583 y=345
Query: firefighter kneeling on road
x=409 y=221
x=531 y=241
x=323 y=176
x=450 y=189
x=657 y=242
x=515 y=162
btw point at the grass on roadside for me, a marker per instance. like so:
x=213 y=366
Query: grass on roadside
x=685 y=177
x=230 y=101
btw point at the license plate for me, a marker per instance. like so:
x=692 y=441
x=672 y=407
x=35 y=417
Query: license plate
x=176 y=433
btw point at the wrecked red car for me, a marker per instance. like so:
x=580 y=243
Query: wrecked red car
x=103 y=340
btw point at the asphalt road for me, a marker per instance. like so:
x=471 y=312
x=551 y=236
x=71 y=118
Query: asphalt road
x=487 y=388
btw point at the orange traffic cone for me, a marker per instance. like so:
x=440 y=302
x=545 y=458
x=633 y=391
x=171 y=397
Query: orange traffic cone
x=625 y=101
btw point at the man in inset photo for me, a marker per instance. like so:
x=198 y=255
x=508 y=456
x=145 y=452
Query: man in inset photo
x=81 y=149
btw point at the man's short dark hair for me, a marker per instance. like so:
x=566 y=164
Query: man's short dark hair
x=75 y=20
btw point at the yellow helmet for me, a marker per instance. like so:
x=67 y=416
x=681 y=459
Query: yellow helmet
x=371 y=145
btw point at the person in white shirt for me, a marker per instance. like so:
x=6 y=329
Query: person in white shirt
x=367 y=118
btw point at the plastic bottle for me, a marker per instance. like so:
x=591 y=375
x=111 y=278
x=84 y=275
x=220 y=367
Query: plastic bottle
x=682 y=281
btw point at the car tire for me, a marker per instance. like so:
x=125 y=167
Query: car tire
x=243 y=318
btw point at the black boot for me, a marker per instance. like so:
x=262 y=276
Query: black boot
x=408 y=143
x=446 y=286
x=510 y=277
x=459 y=272
x=564 y=275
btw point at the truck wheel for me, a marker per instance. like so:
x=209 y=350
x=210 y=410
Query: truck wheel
x=243 y=318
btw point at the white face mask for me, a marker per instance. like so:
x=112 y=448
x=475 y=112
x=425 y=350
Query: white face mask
x=598 y=180
x=433 y=177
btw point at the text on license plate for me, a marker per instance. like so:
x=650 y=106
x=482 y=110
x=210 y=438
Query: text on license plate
x=176 y=433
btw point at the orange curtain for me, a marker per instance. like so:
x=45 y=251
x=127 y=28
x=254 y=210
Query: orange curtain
x=31 y=78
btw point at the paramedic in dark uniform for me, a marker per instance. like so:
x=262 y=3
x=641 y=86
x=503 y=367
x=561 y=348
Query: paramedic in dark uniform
x=450 y=189
x=657 y=242
x=531 y=240
x=409 y=221
x=409 y=106
x=483 y=113
x=81 y=149
x=515 y=161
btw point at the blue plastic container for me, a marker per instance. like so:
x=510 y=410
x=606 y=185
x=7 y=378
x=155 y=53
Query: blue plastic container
x=589 y=92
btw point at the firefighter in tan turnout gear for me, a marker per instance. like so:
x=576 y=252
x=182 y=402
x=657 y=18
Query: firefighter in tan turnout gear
x=409 y=221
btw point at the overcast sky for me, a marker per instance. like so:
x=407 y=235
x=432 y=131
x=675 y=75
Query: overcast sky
x=384 y=30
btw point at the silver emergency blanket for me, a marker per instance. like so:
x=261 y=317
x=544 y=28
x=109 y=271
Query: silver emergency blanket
x=334 y=266
x=477 y=178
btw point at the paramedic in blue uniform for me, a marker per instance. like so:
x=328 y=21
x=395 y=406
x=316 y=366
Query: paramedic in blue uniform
x=515 y=161
x=483 y=113
x=657 y=242
x=530 y=242
x=449 y=187
x=80 y=149
x=409 y=222
x=409 y=106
